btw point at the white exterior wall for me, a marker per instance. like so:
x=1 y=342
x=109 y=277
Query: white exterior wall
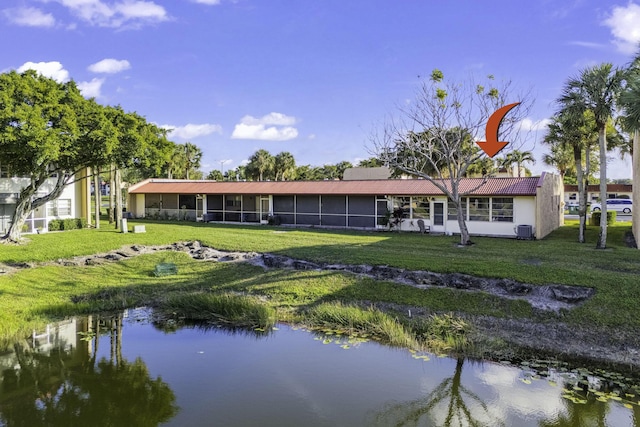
x=524 y=213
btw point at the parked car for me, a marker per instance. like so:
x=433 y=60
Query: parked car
x=618 y=205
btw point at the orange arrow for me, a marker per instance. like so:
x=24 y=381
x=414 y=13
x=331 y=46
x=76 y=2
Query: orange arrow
x=492 y=146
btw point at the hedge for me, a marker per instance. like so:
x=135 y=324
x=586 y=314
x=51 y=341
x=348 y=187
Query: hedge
x=67 y=224
x=611 y=217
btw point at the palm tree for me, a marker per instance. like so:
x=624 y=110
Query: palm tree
x=192 y=158
x=630 y=102
x=597 y=89
x=560 y=158
x=518 y=158
x=260 y=165
x=284 y=166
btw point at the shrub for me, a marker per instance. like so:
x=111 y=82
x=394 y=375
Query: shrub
x=81 y=223
x=611 y=218
x=55 y=225
x=69 y=224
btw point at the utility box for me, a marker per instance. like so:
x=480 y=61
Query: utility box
x=524 y=232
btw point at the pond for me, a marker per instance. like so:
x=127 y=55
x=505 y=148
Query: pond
x=126 y=371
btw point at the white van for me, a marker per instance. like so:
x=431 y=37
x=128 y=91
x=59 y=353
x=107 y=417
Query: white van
x=618 y=205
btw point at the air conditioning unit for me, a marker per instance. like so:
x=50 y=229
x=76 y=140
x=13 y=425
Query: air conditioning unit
x=524 y=232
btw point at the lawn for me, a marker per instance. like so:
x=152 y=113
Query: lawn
x=36 y=295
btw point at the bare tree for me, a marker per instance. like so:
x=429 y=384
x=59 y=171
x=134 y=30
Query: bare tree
x=434 y=137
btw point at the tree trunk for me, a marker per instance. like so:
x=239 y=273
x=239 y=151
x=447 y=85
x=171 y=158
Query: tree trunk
x=462 y=224
x=112 y=187
x=635 y=165
x=97 y=194
x=582 y=194
x=23 y=209
x=602 y=238
x=118 y=197
x=26 y=203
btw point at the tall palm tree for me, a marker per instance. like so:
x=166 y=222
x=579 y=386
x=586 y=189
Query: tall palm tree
x=630 y=102
x=597 y=89
x=561 y=158
x=284 y=166
x=192 y=158
x=260 y=165
x=518 y=158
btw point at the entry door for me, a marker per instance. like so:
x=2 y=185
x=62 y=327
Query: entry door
x=265 y=208
x=438 y=217
x=199 y=207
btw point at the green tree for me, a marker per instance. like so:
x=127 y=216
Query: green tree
x=260 y=166
x=284 y=166
x=192 y=157
x=215 y=175
x=45 y=137
x=518 y=158
x=597 y=89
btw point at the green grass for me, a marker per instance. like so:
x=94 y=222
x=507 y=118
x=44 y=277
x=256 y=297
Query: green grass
x=36 y=295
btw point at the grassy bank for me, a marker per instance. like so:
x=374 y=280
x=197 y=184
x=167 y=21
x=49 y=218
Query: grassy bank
x=35 y=295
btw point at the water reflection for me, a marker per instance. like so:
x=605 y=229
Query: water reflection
x=127 y=370
x=449 y=403
x=55 y=379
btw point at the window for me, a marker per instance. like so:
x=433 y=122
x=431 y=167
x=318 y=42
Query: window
x=452 y=213
x=573 y=196
x=502 y=209
x=60 y=207
x=420 y=207
x=478 y=209
x=402 y=203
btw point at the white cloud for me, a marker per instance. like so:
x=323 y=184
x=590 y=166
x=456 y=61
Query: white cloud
x=52 y=69
x=190 y=131
x=109 y=66
x=29 y=17
x=125 y=13
x=624 y=23
x=272 y=127
x=529 y=125
x=91 y=89
x=207 y=2
x=590 y=45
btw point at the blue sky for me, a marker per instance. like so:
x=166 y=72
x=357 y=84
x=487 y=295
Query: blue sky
x=314 y=78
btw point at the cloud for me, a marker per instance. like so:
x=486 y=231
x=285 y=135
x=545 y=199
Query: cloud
x=207 y=2
x=624 y=23
x=529 y=125
x=29 y=17
x=191 y=131
x=91 y=89
x=52 y=69
x=272 y=127
x=109 y=66
x=125 y=13
x=590 y=45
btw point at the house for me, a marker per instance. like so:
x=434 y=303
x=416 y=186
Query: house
x=614 y=191
x=74 y=202
x=495 y=207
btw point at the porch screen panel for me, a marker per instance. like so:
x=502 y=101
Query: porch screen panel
x=334 y=210
x=187 y=200
x=362 y=211
x=170 y=201
x=215 y=204
x=308 y=210
x=284 y=208
x=152 y=201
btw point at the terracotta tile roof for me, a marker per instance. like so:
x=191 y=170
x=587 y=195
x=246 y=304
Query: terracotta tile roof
x=493 y=186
